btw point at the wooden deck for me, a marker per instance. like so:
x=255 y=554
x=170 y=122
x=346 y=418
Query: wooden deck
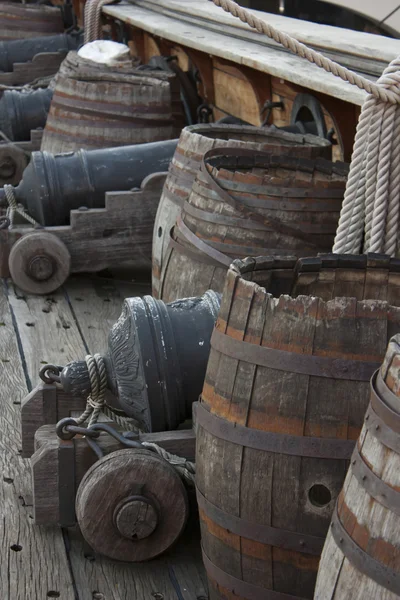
x=36 y=562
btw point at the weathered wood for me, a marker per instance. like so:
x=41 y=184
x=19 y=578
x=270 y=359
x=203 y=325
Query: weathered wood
x=28 y=20
x=221 y=43
x=97 y=239
x=131 y=505
x=42 y=65
x=96 y=106
x=290 y=206
x=36 y=557
x=91 y=575
x=194 y=142
x=369 y=517
x=39 y=262
x=45 y=467
x=291 y=488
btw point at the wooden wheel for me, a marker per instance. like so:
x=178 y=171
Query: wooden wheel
x=13 y=162
x=39 y=262
x=131 y=505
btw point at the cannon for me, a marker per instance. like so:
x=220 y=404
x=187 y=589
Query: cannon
x=22 y=51
x=156 y=359
x=53 y=185
x=22 y=112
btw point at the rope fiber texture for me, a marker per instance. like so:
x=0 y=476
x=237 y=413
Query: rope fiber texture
x=370 y=210
x=96 y=404
x=14 y=207
x=92 y=19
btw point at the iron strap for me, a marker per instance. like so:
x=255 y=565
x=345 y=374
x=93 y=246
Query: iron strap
x=382 y=398
x=112 y=121
x=282 y=360
x=66 y=482
x=64 y=100
x=283 y=192
x=197 y=256
x=238 y=205
x=363 y=562
x=241 y=588
x=267 y=441
x=219 y=219
x=373 y=485
x=384 y=434
x=223 y=259
x=272 y=536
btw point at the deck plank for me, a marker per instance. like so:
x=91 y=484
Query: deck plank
x=54 y=335
x=57 y=329
x=264 y=59
x=38 y=564
x=97 y=304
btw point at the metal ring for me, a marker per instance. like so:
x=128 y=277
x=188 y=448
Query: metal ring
x=55 y=373
x=61 y=431
x=4 y=223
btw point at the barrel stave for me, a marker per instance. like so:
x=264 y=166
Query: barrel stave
x=306 y=197
x=292 y=492
x=95 y=106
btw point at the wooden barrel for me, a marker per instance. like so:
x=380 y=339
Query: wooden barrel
x=21 y=21
x=362 y=549
x=283 y=402
x=243 y=204
x=95 y=106
x=193 y=143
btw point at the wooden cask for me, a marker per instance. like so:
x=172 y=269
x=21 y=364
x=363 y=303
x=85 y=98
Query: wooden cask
x=246 y=204
x=361 y=556
x=193 y=143
x=283 y=402
x=95 y=106
x=21 y=21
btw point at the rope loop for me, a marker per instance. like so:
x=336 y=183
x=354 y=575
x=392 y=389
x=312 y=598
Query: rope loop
x=14 y=207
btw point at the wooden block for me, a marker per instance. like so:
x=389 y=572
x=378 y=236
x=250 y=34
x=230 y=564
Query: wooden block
x=51 y=482
x=46 y=404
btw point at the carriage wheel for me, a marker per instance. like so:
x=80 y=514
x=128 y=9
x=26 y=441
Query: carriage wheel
x=131 y=505
x=39 y=262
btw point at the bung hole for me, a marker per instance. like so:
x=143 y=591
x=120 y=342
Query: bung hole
x=53 y=594
x=16 y=548
x=319 y=495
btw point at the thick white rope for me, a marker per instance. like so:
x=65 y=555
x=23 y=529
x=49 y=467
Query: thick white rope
x=185 y=468
x=371 y=202
x=92 y=19
x=14 y=207
x=96 y=404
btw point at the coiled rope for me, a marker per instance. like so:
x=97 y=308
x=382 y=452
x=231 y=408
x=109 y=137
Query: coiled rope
x=96 y=404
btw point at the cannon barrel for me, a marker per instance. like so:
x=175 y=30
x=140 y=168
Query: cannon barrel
x=20 y=51
x=156 y=359
x=21 y=112
x=53 y=185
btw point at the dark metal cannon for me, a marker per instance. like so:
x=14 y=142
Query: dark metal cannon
x=21 y=51
x=156 y=359
x=53 y=185
x=21 y=112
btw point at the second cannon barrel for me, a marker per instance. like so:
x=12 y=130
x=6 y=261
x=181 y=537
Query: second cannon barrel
x=53 y=185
